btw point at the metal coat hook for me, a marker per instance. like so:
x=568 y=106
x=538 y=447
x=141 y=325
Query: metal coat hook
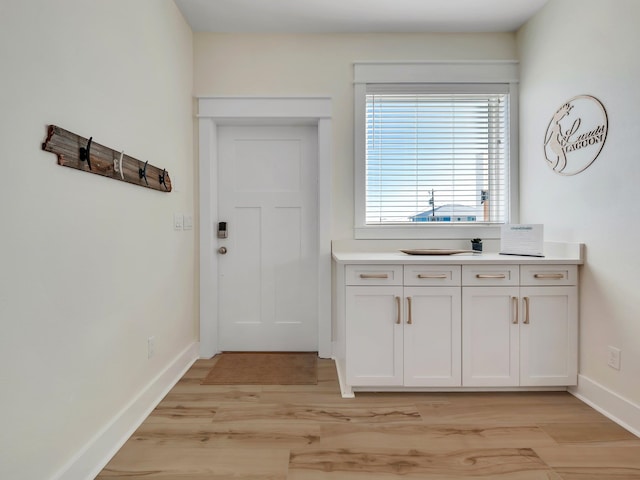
x=142 y=172
x=117 y=165
x=161 y=178
x=85 y=153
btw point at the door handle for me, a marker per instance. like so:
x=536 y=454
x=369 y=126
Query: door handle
x=526 y=310
x=398 y=319
x=222 y=250
x=373 y=275
x=514 y=301
x=554 y=276
x=409 y=319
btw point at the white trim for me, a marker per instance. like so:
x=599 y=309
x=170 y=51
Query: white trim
x=345 y=391
x=222 y=108
x=426 y=232
x=214 y=111
x=613 y=406
x=513 y=210
x=92 y=458
x=506 y=71
x=208 y=137
x=325 y=145
x=360 y=164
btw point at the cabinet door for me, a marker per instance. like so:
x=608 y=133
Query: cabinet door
x=548 y=336
x=490 y=336
x=374 y=335
x=432 y=355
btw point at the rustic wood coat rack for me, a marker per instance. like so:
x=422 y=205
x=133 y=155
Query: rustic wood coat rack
x=77 y=152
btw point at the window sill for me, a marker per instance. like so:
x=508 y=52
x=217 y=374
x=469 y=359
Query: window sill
x=426 y=232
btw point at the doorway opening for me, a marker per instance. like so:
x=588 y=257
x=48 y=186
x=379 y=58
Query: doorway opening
x=216 y=113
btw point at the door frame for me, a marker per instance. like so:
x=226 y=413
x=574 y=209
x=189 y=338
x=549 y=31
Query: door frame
x=217 y=111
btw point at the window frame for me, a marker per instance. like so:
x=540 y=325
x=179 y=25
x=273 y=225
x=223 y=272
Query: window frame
x=487 y=72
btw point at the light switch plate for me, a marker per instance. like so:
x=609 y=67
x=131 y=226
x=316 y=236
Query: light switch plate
x=178 y=221
x=188 y=221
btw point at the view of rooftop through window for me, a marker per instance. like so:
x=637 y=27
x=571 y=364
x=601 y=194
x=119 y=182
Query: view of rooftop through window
x=436 y=157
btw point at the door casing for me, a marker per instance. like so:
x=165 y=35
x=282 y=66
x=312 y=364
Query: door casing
x=216 y=111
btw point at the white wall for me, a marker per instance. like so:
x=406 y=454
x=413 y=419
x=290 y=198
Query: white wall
x=577 y=47
x=89 y=267
x=289 y=65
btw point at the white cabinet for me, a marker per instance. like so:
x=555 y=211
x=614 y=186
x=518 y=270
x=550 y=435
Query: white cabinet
x=374 y=335
x=432 y=336
x=516 y=332
x=549 y=336
x=406 y=334
x=464 y=322
x=489 y=336
x=473 y=324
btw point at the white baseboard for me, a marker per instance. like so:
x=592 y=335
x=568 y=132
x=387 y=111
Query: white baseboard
x=622 y=411
x=345 y=391
x=89 y=461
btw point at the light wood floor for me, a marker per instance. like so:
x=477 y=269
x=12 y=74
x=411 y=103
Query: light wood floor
x=309 y=432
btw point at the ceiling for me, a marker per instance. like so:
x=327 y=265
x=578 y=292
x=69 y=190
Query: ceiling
x=357 y=16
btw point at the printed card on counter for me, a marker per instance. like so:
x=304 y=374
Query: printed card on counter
x=519 y=239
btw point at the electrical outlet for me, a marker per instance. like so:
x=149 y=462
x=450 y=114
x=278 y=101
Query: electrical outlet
x=614 y=357
x=151 y=346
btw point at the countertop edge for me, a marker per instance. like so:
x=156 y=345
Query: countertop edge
x=457 y=259
x=344 y=252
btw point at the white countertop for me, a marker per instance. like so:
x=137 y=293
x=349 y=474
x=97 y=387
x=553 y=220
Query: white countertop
x=555 y=253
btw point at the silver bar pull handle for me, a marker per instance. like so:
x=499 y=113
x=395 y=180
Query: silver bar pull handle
x=487 y=275
x=432 y=275
x=556 y=276
x=374 y=275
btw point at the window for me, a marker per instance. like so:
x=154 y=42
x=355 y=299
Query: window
x=435 y=157
x=432 y=154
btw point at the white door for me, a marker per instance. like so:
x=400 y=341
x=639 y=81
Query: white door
x=267 y=279
x=490 y=333
x=432 y=350
x=374 y=334
x=549 y=336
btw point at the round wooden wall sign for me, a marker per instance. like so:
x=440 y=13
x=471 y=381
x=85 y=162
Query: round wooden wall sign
x=575 y=135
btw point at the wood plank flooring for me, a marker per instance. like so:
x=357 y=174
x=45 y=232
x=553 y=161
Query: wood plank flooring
x=308 y=432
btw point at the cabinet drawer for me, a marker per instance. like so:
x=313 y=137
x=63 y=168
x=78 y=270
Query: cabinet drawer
x=548 y=275
x=373 y=274
x=490 y=275
x=432 y=275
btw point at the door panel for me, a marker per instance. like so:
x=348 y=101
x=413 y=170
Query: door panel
x=548 y=342
x=432 y=339
x=490 y=336
x=374 y=335
x=267 y=188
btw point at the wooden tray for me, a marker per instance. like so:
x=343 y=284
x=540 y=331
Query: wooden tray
x=435 y=251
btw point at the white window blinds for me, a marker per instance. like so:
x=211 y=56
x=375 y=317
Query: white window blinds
x=436 y=153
